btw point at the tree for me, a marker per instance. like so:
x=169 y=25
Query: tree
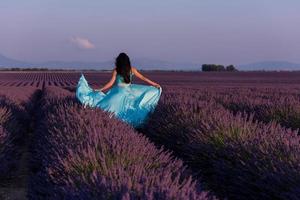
x=231 y=68
x=219 y=68
x=212 y=67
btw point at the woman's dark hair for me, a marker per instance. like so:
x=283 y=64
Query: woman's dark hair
x=123 y=66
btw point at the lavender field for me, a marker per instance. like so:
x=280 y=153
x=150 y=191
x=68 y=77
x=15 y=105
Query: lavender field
x=214 y=135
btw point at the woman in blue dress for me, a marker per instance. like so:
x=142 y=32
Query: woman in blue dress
x=129 y=102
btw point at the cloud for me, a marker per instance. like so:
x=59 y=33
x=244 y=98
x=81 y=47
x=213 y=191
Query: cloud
x=82 y=43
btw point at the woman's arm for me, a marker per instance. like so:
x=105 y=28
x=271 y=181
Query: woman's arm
x=140 y=76
x=110 y=83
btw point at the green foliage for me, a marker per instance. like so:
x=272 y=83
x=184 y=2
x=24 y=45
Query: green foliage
x=214 y=67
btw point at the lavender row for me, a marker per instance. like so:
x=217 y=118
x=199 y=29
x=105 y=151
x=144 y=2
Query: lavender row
x=6 y=138
x=19 y=96
x=266 y=104
x=271 y=105
x=238 y=157
x=85 y=154
x=165 y=78
x=13 y=128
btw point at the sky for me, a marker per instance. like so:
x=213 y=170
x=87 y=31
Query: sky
x=195 y=31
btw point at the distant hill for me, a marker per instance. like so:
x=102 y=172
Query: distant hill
x=270 y=66
x=146 y=64
x=142 y=63
x=76 y=65
x=4 y=62
x=151 y=64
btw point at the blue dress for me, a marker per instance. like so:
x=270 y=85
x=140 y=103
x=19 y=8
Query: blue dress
x=129 y=102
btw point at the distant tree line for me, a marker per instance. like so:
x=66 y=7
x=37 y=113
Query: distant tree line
x=40 y=69
x=214 y=67
x=24 y=69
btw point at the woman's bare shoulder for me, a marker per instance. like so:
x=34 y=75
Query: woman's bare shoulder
x=133 y=69
x=114 y=71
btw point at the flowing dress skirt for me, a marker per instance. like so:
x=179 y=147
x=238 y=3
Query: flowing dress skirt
x=132 y=103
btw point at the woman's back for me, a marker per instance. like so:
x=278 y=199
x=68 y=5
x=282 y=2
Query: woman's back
x=120 y=78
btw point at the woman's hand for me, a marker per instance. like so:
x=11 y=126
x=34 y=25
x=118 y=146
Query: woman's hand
x=98 y=90
x=157 y=85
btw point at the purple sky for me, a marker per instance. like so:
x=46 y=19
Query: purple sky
x=199 y=31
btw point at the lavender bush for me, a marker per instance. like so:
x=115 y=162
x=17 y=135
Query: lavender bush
x=223 y=126
x=13 y=120
x=280 y=105
x=266 y=104
x=85 y=154
x=236 y=156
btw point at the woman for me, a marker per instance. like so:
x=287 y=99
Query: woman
x=129 y=102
